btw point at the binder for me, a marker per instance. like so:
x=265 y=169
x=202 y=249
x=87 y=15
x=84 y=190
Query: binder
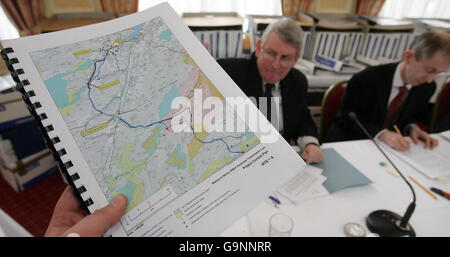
x=51 y=142
x=164 y=175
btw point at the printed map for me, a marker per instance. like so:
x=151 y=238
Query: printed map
x=115 y=94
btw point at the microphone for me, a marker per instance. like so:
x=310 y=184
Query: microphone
x=383 y=222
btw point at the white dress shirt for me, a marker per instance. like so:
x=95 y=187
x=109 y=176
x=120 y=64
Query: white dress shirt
x=276 y=93
x=397 y=82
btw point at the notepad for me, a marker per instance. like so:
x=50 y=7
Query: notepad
x=339 y=172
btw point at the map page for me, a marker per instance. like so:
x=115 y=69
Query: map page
x=127 y=99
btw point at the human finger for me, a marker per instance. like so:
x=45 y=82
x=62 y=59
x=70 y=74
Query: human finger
x=306 y=156
x=102 y=219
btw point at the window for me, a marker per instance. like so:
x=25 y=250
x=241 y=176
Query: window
x=416 y=9
x=259 y=7
x=7 y=29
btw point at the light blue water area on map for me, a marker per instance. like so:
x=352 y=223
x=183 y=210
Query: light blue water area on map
x=136 y=31
x=124 y=99
x=166 y=35
x=128 y=189
x=180 y=155
x=76 y=97
x=56 y=85
x=84 y=66
x=249 y=135
x=166 y=104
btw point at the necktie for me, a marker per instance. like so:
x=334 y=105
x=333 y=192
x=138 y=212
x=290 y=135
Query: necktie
x=395 y=105
x=271 y=104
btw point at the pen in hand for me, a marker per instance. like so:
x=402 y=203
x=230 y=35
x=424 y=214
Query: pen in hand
x=404 y=142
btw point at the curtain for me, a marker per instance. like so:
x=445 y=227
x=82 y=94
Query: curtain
x=24 y=14
x=366 y=7
x=369 y=7
x=293 y=7
x=119 y=7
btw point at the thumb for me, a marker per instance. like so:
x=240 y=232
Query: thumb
x=305 y=156
x=102 y=219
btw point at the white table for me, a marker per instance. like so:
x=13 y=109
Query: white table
x=326 y=216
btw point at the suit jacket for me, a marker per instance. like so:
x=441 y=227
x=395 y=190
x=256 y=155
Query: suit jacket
x=297 y=120
x=367 y=95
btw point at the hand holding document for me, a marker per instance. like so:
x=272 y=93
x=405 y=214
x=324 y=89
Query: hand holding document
x=418 y=134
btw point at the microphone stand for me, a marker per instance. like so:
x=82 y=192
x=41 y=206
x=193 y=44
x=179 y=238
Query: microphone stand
x=383 y=222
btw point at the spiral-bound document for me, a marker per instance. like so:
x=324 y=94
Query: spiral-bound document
x=134 y=106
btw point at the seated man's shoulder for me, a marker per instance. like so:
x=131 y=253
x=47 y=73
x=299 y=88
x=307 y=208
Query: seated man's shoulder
x=232 y=62
x=376 y=70
x=297 y=74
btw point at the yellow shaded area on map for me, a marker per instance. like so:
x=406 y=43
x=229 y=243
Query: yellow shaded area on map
x=129 y=165
x=191 y=168
x=194 y=145
x=163 y=182
x=94 y=129
x=82 y=67
x=137 y=194
x=110 y=84
x=82 y=52
x=213 y=167
x=187 y=59
x=178 y=213
x=111 y=182
x=254 y=140
x=36 y=64
x=118 y=41
x=176 y=160
x=72 y=95
x=152 y=140
x=67 y=109
x=205 y=82
x=134 y=190
x=202 y=80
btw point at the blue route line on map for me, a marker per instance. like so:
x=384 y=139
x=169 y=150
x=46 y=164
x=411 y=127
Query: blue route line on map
x=151 y=124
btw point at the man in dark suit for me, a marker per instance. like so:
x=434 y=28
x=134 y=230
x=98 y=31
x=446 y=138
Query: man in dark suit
x=394 y=94
x=269 y=72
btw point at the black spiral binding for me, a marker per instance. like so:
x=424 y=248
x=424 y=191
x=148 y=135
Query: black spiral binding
x=32 y=107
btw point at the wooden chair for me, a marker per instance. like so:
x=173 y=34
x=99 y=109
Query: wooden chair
x=441 y=107
x=330 y=106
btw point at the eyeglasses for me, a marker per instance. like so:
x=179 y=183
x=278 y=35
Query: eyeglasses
x=285 y=60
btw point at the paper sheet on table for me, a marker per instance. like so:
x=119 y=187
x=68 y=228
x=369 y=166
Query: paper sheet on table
x=305 y=185
x=445 y=135
x=339 y=172
x=432 y=163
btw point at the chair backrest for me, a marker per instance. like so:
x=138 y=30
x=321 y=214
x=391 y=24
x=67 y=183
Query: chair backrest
x=441 y=106
x=330 y=106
